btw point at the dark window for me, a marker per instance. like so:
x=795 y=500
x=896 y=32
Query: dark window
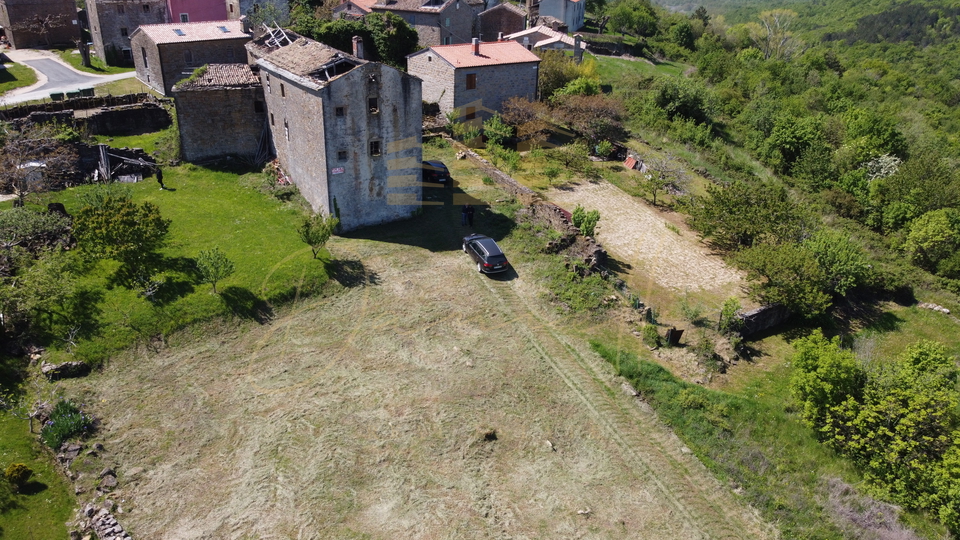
x=258 y=106
x=120 y=9
x=127 y=55
x=184 y=17
x=146 y=8
x=271 y=119
x=373 y=105
x=283 y=92
x=342 y=155
x=188 y=57
x=471 y=113
x=123 y=32
x=374 y=148
x=231 y=8
x=339 y=111
x=269 y=90
x=471 y=81
x=144 y=53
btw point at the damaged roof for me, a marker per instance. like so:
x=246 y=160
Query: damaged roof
x=218 y=76
x=301 y=57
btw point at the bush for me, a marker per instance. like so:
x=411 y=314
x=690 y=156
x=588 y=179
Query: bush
x=66 y=422
x=651 y=336
x=17 y=474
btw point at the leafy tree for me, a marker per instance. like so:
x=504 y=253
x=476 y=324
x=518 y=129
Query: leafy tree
x=923 y=183
x=122 y=230
x=682 y=34
x=729 y=322
x=636 y=17
x=316 y=230
x=843 y=260
x=933 y=237
x=773 y=35
x=581 y=86
x=496 y=130
x=790 y=139
x=787 y=275
x=214 y=266
x=824 y=377
x=946 y=484
x=269 y=12
x=393 y=38
x=585 y=220
x=663 y=173
x=596 y=118
x=556 y=71
x=701 y=14
x=684 y=98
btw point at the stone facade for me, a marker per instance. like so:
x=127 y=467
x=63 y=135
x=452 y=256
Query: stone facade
x=163 y=58
x=15 y=14
x=570 y=12
x=502 y=19
x=515 y=75
x=112 y=22
x=227 y=99
x=437 y=22
x=346 y=131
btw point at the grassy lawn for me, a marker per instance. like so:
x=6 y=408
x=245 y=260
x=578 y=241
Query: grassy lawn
x=16 y=76
x=612 y=69
x=48 y=503
x=98 y=67
x=123 y=87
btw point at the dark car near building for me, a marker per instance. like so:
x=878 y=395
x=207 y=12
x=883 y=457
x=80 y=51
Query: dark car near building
x=486 y=253
x=435 y=173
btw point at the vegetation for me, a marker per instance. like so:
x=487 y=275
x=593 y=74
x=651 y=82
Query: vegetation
x=66 y=422
x=16 y=76
x=316 y=230
x=214 y=266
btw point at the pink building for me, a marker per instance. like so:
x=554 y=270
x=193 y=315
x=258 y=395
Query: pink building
x=196 y=10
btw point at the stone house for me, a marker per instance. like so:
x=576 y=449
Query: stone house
x=113 y=21
x=570 y=12
x=16 y=17
x=475 y=78
x=346 y=131
x=225 y=99
x=501 y=19
x=166 y=53
x=437 y=22
x=544 y=37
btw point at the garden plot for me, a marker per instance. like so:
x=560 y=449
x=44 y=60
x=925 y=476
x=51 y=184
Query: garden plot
x=429 y=402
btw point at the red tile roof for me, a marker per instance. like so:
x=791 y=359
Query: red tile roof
x=492 y=53
x=197 y=31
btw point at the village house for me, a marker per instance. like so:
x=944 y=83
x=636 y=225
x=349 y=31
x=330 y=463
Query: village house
x=437 y=22
x=19 y=18
x=545 y=38
x=166 y=53
x=475 y=78
x=346 y=131
x=569 y=12
x=113 y=21
x=224 y=99
x=501 y=19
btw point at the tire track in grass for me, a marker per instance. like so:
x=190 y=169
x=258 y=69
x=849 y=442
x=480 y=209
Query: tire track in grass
x=698 y=500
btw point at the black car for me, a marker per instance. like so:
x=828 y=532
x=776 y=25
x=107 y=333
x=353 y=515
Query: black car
x=486 y=253
x=435 y=174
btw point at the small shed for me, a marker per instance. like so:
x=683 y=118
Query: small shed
x=635 y=163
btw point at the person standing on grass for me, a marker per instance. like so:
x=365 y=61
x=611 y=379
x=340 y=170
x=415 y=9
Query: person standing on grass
x=464 y=212
x=470 y=215
x=160 y=178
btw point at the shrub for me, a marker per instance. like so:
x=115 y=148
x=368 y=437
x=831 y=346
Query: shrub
x=17 y=474
x=66 y=422
x=584 y=220
x=650 y=336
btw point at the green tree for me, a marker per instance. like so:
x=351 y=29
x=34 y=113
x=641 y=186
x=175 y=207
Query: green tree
x=682 y=34
x=316 y=230
x=843 y=261
x=122 y=230
x=17 y=474
x=824 y=377
x=496 y=130
x=393 y=38
x=636 y=17
x=214 y=266
x=729 y=322
x=933 y=237
x=581 y=86
x=787 y=275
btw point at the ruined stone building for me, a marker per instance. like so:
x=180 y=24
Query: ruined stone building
x=112 y=22
x=437 y=22
x=475 y=78
x=164 y=54
x=222 y=113
x=346 y=131
x=501 y=19
x=18 y=18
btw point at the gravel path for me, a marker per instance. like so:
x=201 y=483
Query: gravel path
x=637 y=234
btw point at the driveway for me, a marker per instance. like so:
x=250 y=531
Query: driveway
x=53 y=75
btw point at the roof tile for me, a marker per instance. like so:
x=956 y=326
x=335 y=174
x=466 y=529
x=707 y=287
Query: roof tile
x=196 y=31
x=222 y=76
x=492 y=53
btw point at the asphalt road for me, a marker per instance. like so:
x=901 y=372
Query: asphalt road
x=54 y=76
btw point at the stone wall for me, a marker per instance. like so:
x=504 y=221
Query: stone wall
x=161 y=67
x=75 y=104
x=129 y=120
x=17 y=12
x=497 y=20
x=240 y=120
x=111 y=19
x=762 y=318
x=455 y=24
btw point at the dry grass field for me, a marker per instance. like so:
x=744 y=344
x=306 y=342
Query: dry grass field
x=416 y=400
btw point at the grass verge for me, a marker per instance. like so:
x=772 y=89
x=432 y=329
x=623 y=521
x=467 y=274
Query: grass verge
x=97 y=66
x=16 y=76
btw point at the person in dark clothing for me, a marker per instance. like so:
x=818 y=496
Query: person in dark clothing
x=160 y=178
x=470 y=215
x=463 y=214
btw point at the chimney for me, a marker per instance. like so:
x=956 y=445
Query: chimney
x=245 y=24
x=476 y=46
x=358 y=47
x=577 y=48
x=499 y=36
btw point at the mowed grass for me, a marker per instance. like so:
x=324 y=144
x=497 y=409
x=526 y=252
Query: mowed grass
x=16 y=76
x=208 y=209
x=40 y=512
x=611 y=69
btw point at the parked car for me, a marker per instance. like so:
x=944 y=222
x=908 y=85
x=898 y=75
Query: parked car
x=486 y=253
x=436 y=173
